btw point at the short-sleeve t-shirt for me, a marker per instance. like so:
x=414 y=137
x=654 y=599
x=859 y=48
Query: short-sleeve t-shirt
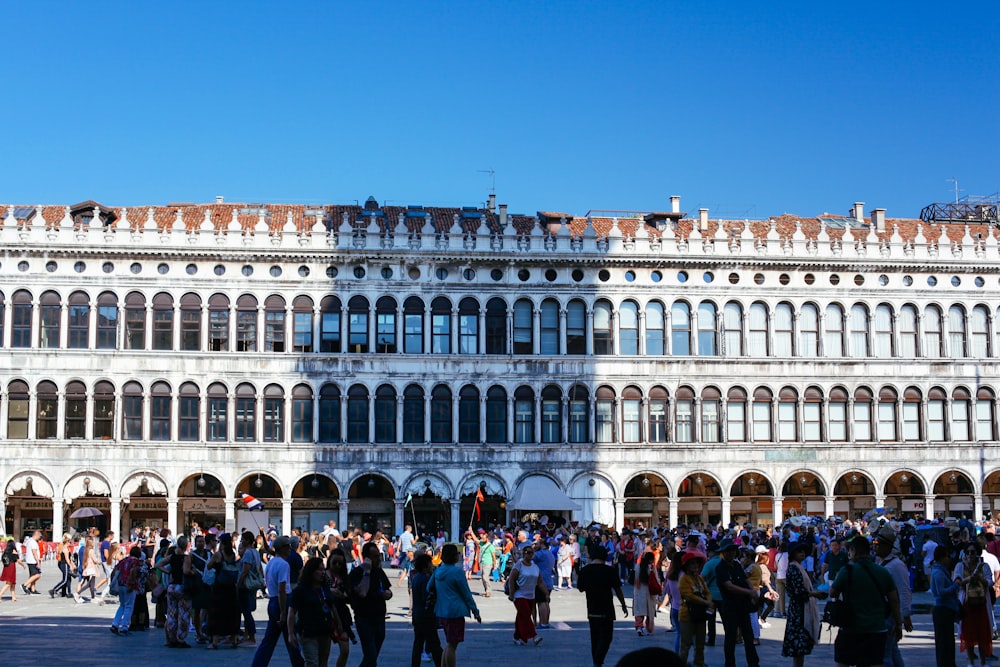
x=732 y=572
x=864 y=596
x=597 y=581
x=406 y=541
x=834 y=562
x=312 y=611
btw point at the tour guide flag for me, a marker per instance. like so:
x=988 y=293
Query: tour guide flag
x=479 y=499
x=251 y=502
x=409 y=499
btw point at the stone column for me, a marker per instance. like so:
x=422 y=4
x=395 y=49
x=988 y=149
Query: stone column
x=562 y=330
x=456 y=529
x=399 y=519
x=929 y=506
x=342 y=518
x=57 y=518
x=172 y=514
x=286 y=516
x=674 y=504
x=116 y=517
x=619 y=514
x=482 y=418
x=536 y=332
x=977 y=506
x=589 y=332
x=829 y=506
x=778 y=513
x=615 y=333
x=727 y=504
x=641 y=344
x=92 y=326
x=230 y=509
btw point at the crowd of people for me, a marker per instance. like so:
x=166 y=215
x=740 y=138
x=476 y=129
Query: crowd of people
x=326 y=592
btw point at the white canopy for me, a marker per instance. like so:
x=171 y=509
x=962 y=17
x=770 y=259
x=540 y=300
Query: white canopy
x=538 y=492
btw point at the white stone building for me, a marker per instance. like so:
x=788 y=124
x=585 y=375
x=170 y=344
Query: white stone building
x=335 y=360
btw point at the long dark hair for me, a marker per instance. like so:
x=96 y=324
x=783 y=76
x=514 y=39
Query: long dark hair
x=306 y=575
x=645 y=563
x=674 y=571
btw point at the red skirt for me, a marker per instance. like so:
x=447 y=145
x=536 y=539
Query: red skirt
x=976 y=630
x=9 y=574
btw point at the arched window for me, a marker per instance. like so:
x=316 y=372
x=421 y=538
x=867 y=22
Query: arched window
x=163 y=322
x=762 y=399
x=783 y=334
x=956 y=332
x=833 y=336
x=496 y=326
x=656 y=425
x=413 y=414
x=655 y=331
x=960 y=400
x=979 y=340
x=809 y=331
x=75 y=420
x=218 y=413
x=524 y=415
x=551 y=414
x=468 y=327
x=628 y=327
x=413 y=326
x=302 y=324
x=385 y=325
x=985 y=400
x=883 y=331
x=17 y=410
x=863 y=400
x=576 y=327
x=357 y=328
x=788 y=407
x=907 y=322
x=104 y=410
x=631 y=414
x=78 y=318
x=218 y=323
x=711 y=407
x=937 y=400
x=20 y=319
x=188 y=412
x=684 y=415
x=680 y=329
x=329 y=413
x=859 y=331
x=274 y=323
x=357 y=414
x=46 y=411
x=603 y=339
x=933 y=336
x=707 y=345
x=736 y=415
x=246 y=413
x=838 y=414
x=912 y=398
x=441 y=414
x=191 y=322
x=159 y=411
x=732 y=330
x=886 y=415
x=385 y=414
x=523 y=327
x=274 y=413
x=496 y=415
x=49 y=314
x=549 y=327
x=132 y=411
x=329 y=325
x=107 y=321
x=604 y=414
x=757 y=331
x=246 y=324
x=302 y=413
x=468 y=414
x=441 y=326
x=812 y=415
x=579 y=414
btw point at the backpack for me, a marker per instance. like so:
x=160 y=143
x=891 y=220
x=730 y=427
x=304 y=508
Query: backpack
x=8 y=558
x=976 y=594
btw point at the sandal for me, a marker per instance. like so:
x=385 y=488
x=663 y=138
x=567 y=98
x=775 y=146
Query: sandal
x=212 y=647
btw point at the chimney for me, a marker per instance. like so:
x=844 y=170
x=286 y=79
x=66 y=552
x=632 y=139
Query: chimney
x=219 y=199
x=703 y=219
x=675 y=204
x=878 y=219
x=859 y=211
x=503 y=216
x=492 y=205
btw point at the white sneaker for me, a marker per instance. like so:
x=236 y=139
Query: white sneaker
x=520 y=642
x=426 y=657
x=764 y=624
x=537 y=640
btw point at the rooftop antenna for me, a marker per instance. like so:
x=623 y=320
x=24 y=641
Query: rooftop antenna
x=493 y=178
x=954 y=181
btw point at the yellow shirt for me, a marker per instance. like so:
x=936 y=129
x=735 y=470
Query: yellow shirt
x=692 y=588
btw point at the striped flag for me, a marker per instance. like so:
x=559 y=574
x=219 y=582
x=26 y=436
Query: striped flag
x=252 y=503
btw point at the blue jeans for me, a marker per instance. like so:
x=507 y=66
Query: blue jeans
x=893 y=658
x=275 y=629
x=371 y=634
x=123 y=617
x=675 y=621
x=248 y=604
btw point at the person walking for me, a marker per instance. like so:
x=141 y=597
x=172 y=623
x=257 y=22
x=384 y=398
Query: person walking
x=250 y=566
x=644 y=594
x=564 y=565
x=802 y=613
x=708 y=572
x=975 y=629
x=522 y=585
x=312 y=616
x=946 y=607
x=223 y=609
x=132 y=572
x=697 y=607
x=885 y=538
x=767 y=594
x=425 y=623
x=738 y=600
x=89 y=564
x=598 y=581
x=336 y=569
x=453 y=602
x=487 y=560
x=33 y=559
x=370 y=589
x=10 y=560
x=277 y=577
x=64 y=560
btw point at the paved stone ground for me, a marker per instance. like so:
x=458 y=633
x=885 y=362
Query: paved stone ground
x=39 y=630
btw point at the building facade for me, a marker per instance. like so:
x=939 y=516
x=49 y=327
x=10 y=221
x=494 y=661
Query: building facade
x=380 y=365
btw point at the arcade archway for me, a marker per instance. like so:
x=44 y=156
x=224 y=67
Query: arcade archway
x=700 y=499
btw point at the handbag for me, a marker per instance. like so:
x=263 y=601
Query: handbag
x=254 y=581
x=208 y=576
x=838 y=613
x=114 y=586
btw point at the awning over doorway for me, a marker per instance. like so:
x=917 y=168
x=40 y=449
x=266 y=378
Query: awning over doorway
x=538 y=492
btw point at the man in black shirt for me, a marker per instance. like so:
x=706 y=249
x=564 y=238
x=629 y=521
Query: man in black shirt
x=738 y=600
x=598 y=580
x=369 y=590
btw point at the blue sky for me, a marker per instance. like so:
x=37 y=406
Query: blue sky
x=749 y=109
